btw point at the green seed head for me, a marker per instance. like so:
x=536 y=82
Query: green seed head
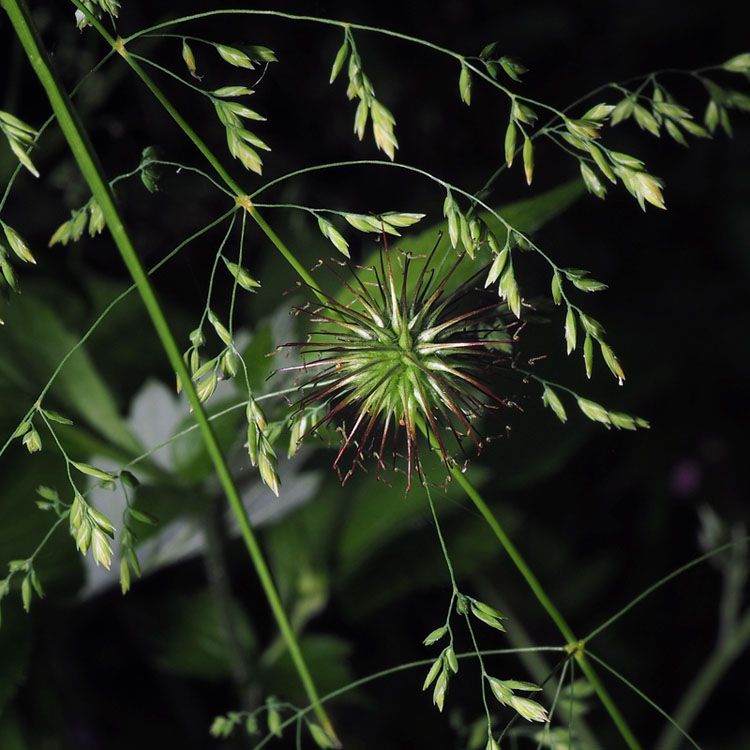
x=410 y=353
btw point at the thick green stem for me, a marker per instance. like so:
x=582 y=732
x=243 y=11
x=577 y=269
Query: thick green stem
x=574 y=646
x=92 y=171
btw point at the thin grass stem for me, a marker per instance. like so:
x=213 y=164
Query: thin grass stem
x=92 y=171
x=574 y=646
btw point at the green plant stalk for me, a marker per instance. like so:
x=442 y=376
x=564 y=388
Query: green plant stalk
x=92 y=171
x=573 y=645
x=242 y=199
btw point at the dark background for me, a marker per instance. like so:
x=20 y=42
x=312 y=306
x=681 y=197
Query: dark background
x=600 y=515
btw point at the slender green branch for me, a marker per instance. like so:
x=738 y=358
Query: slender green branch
x=103 y=315
x=659 y=584
x=648 y=700
x=92 y=171
x=240 y=194
x=395 y=670
x=441 y=539
x=293 y=17
x=574 y=645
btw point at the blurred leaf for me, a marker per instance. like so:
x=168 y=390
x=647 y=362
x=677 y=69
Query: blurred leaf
x=255 y=354
x=34 y=342
x=399 y=554
x=23 y=525
x=526 y=216
x=192 y=637
x=190 y=458
x=11 y=734
x=301 y=577
x=326 y=656
x=15 y=648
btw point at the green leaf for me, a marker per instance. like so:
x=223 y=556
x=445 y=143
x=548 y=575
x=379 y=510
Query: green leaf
x=261 y=54
x=556 y=288
x=23 y=157
x=56 y=417
x=500 y=691
x=360 y=119
x=551 y=399
x=336 y=238
x=189 y=631
x=738 y=63
x=22 y=429
x=498 y=264
x=229 y=91
x=509 y=290
x=124 y=575
x=242 y=276
x=622 y=421
x=17 y=244
x=513 y=69
x=570 y=330
x=129 y=479
x=602 y=162
x=588 y=354
x=365 y=223
x=464 y=84
x=338 y=63
x=15 y=122
x=625 y=160
x=143 y=517
x=221 y=331
x=523 y=113
x=453 y=214
x=32 y=441
x=646 y=120
x=240 y=110
x=441 y=686
x=529 y=709
x=528 y=159
x=623 y=109
x=35 y=341
x=234 y=56
x=612 y=362
x=592 y=181
x=93 y=471
x=188 y=453
x=593 y=411
x=599 y=112
x=26 y=592
x=274 y=722
x=320 y=736
x=397 y=219
x=486 y=608
x=327 y=658
x=511 y=133
x=675 y=133
x=526 y=216
x=592 y=326
x=189 y=58
x=486 y=618
x=589 y=285
x=435 y=635
x=519 y=685
x=47 y=493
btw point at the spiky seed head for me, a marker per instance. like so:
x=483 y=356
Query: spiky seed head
x=411 y=352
